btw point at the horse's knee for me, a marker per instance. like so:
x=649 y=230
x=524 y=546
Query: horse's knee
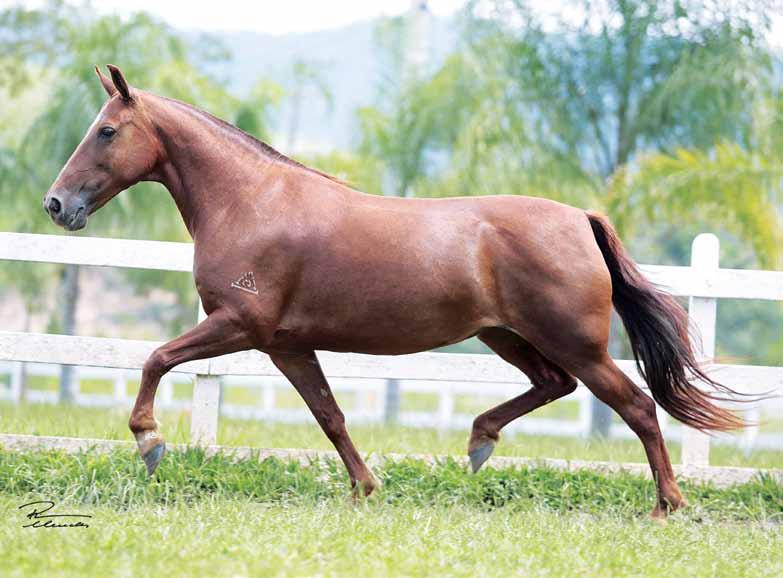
x=157 y=364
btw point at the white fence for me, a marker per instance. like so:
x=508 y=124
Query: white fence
x=448 y=376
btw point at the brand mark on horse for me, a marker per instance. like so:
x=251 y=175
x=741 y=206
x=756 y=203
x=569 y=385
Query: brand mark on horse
x=246 y=282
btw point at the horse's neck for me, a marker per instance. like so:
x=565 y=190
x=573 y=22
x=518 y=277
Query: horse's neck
x=205 y=162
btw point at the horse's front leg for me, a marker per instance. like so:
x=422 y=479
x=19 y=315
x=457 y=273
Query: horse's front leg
x=217 y=335
x=305 y=374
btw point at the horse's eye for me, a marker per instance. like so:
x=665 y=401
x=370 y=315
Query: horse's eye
x=107 y=132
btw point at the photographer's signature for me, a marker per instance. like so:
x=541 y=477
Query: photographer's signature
x=41 y=519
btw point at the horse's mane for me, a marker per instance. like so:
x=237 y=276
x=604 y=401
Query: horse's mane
x=263 y=147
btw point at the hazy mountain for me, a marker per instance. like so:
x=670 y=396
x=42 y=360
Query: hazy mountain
x=350 y=63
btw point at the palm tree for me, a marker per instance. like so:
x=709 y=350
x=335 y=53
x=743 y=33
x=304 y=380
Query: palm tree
x=739 y=186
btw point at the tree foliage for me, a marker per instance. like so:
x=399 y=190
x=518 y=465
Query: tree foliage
x=569 y=108
x=61 y=63
x=740 y=187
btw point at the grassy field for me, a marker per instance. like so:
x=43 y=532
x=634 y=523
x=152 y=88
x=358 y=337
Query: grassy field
x=210 y=517
x=236 y=538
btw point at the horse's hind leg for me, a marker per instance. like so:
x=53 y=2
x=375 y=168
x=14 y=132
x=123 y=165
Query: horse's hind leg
x=305 y=374
x=550 y=382
x=637 y=409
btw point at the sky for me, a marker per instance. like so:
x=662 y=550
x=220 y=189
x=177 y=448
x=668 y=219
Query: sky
x=276 y=17
x=269 y=16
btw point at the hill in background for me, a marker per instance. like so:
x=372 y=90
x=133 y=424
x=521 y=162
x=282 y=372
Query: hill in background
x=348 y=58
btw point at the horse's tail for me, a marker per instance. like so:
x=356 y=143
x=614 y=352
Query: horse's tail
x=657 y=327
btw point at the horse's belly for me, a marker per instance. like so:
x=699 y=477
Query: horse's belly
x=384 y=324
x=403 y=339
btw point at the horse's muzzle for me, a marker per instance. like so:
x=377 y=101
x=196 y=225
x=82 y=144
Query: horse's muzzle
x=72 y=216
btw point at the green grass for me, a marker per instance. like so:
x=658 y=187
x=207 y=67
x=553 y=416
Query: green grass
x=214 y=517
x=118 y=479
x=112 y=424
x=234 y=538
x=211 y=517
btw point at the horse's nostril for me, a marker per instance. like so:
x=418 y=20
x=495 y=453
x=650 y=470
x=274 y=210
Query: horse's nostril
x=54 y=206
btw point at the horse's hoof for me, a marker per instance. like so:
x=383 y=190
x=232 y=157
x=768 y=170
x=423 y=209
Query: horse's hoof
x=676 y=502
x=363 y=490
x=480 y=455
x=153 y=456
x=659 y=516
x=152 y=448
x=668 y=505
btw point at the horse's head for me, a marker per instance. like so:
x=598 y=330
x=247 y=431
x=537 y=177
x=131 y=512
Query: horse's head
x=120 y=149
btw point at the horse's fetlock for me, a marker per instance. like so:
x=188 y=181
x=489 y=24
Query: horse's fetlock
x=483 y=429
x=139 y=424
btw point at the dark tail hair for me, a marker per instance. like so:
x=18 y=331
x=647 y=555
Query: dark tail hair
x=657 y=327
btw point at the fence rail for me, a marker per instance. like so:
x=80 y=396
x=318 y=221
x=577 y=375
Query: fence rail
x=704 y=282
x=363 y=400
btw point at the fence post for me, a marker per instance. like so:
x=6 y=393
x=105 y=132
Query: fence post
x=76 y=385
x=205 y=405
x=752 y=431
x=366 y=404
x=585 y=400
x=166 y=392
x=391 y=402
x=268 y=399
x=120 y=388
x=702 y=312
x=17 y=382
x=445 y=408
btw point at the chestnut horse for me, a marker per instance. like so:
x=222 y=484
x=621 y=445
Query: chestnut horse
x=289 y=260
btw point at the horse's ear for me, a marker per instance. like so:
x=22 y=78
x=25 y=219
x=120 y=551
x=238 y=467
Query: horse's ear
x=107 y=85
x=119 y=82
